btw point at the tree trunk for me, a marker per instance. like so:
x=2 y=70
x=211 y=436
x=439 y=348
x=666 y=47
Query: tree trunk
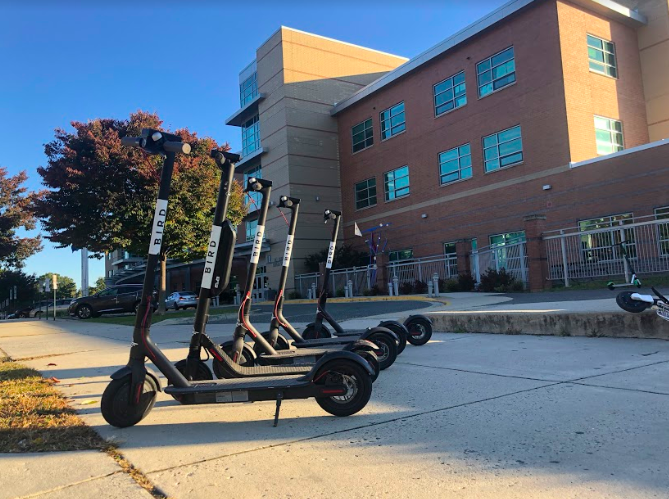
x=163 y=284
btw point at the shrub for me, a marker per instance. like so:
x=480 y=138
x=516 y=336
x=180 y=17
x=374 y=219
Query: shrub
x=294 y=295
x=341 y=293
x=419 y=287
x=405 y=288
x=498 y=282
x=518 y=287
x=466 y=282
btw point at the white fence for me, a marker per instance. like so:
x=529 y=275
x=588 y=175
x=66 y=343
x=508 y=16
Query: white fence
x=362 y=279
x=422 y=269
x=574 y=254
x=511 y=257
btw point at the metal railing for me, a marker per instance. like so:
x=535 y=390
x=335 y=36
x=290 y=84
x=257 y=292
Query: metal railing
x=361 y=278
x=511 y=257
x=303 y=282
x=575 y=254
x=422 y=269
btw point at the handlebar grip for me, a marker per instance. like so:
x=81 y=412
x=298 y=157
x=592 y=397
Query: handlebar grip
x=132 y=141
x=182 y=147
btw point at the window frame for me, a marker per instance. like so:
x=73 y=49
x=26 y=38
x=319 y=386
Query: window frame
x=400 y=251
x=459 y=170
x=355 y=193
x=611 y=133
x=385 y=183
x=452 y=88
x=243 y=99
x=497 y=145
x=492 y=79
x=603 y=51
x=366 y=138
x=255 y=126
x=389 y=120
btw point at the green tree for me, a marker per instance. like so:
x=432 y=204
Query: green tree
x=14 y=213
x=97 y=287
x=67 y=288
x=102 y=195
x=345 y=256
x=26 y=288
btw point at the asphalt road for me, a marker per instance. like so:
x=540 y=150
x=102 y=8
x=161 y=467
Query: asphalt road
x=305 y=312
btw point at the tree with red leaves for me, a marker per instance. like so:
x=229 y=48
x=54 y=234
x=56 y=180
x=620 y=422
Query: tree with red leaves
x=15 y=202
x=102 y=195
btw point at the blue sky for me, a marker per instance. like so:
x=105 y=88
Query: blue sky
x=77 y=61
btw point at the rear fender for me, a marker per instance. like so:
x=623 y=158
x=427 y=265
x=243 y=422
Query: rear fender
x=338 y=355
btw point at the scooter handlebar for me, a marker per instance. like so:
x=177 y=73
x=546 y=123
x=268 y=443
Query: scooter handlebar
x=331 y=215
x=133 y=141
x=257 y=184
x=288 y=202
x=222 y=156
x=182 y=147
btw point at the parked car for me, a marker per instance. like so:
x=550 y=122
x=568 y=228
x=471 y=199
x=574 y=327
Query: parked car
x=112 y=300
x=40 y=308
x=181 y=299
x=24 y=313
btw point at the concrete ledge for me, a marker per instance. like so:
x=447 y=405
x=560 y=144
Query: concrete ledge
x=613 y=325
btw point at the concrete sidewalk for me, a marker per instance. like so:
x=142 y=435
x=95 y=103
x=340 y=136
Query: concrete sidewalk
x=467 y=415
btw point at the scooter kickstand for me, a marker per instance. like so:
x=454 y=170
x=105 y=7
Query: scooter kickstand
x=279 y=398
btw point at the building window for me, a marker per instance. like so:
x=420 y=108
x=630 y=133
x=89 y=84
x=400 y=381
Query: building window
x=506 y=251
x=255 y=196
x=663 y=229
x=449 y=94
x=110 y=273
x=365 y=193
x=502 y=149
x=602 y=56
x=251 y=136
x=248 y=89
x=400 y=255
x=604 y=246
x=396 y=183
x=251 y=227
x=496 y=72
x=363 y=135
x=455 y=164
x=392 y=121
x=609 y=135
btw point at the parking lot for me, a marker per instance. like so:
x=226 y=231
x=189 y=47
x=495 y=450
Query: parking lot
x=467 y=415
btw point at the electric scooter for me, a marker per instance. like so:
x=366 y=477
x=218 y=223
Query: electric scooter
x=419 y=327
x=636 y=303
x=378 y=335
x=237 y=349
x=340 y=381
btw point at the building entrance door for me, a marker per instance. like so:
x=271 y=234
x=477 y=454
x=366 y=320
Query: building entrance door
x=259 y=288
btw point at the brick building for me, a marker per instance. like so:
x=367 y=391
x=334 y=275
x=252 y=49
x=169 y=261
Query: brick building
x=538 y=109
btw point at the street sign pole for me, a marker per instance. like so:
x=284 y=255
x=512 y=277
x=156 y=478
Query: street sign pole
x=54 y=285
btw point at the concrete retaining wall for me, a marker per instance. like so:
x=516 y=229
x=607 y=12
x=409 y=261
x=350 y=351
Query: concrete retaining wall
x=615 y=325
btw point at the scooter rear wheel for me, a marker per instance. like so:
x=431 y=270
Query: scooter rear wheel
x=420 y=331
x=400 y=331
x=389 y=347
x=625 y=301
x=372 y=360
x=357 y=381
x=310 y=332
x=115 y=405
x=202 y=373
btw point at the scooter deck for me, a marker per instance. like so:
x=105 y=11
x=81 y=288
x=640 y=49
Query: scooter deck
x=232 y=385
x=322 y=342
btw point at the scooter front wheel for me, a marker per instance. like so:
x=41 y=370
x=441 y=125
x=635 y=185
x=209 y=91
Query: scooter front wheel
x=358 y=387
x=388 y=347
x=420 y=330
x=202 y=373
x=115 y=405
x=310 y=332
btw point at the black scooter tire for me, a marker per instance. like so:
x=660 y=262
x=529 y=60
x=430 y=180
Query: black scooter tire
x=372 y=360
x=425 y=330
x=625 y=301
x=281 y=344
x=202 y=373
x=115 y=405
x=310 y=332
x=389 y=347
x=400 y=331
x=363 y=388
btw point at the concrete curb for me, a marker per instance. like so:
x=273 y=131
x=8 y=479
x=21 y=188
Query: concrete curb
x=362 y=299
x=612 y=325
